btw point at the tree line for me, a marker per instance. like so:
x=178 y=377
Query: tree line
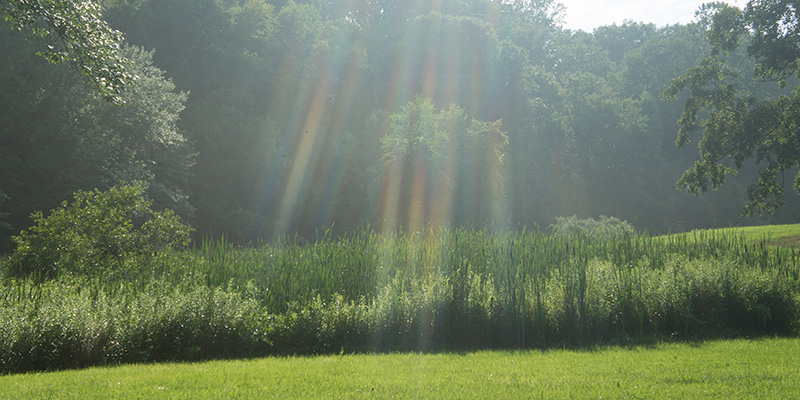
x=255 y=119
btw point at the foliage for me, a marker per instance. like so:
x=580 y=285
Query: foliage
x=75 y=32
x=432 y=291
x=71 y=327
x=434 y=160
x=739 y=125
x=388 y=114
x=96 y=231
x=606 y=228
x=60 y=135
x=279 y=134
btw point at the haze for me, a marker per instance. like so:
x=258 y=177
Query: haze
x=262 y=119
x=587 y=15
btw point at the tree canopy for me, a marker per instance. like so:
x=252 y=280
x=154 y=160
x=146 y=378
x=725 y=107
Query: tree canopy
x=58 y=136
x=73 y=32
x=256 y=119
x=737 y=123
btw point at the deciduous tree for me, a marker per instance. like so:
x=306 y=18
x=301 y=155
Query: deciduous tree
x=57 y=136
x=736 y=124
x=74 y=32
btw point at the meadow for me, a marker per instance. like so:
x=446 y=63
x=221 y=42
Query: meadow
x=773 y=235
x=732 y=369
x=432 y=292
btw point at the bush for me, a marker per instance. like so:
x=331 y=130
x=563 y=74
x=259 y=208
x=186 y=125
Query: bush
x=74 y=323
x=97 y=230
x=603 y=227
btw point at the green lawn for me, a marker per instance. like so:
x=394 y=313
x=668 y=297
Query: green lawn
x=778 y=235
x=784 y=235
x=744 y=369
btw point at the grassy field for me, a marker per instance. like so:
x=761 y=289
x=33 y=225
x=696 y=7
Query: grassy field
x=775 y=235
x=423 y=315
x=735 y=369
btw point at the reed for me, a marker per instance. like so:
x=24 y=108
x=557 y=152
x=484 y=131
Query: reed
x=433 y=290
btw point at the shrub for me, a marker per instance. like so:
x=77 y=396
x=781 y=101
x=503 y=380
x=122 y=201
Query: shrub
x=457 y=291
x=603 y=227
x=97 y=230
x=73 y=322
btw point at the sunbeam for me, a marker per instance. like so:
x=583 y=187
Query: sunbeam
x=304 y=159
x=444 y=174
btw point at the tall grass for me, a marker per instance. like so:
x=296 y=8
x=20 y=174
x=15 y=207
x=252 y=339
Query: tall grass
x=434 y=290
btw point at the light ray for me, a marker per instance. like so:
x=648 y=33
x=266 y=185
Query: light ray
x=343 y=105
x=442 y=68
x=303 y=160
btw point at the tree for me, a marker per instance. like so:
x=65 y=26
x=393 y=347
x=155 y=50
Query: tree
x=75 y=32
x=740 y=125
x=618 y=40
x=607 y=131
x=242 y=83
x=96 y=230
x=442 y=169
x=58 y=136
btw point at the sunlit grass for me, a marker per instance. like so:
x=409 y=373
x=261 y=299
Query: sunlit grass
x=775 y=235
x=736 y=369
x=782 y=235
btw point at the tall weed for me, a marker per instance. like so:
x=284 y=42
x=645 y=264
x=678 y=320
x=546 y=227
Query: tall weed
x=428 y=291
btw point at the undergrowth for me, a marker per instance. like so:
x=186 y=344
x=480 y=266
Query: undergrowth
x=433 y=291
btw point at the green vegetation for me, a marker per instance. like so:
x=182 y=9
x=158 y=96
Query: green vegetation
x=432 y=291
x=74 y=32
x=737 y=123
x=772 y=235
x=261 y=119
x=98 y=230
x=59 y=137
x=601 y=228
x=736 y=369
x=427 y=142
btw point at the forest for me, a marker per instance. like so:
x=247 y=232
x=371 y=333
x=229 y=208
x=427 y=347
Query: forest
x=185 y=180
x=260 y=119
